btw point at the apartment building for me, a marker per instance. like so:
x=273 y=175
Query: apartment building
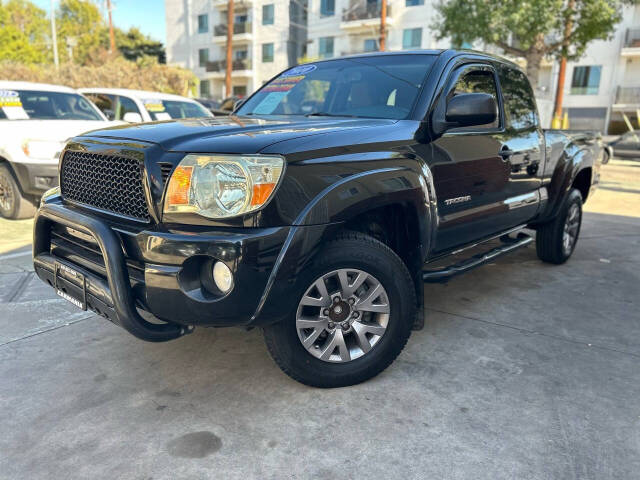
x=343 y=27
x=268 y=36
x=604 y=85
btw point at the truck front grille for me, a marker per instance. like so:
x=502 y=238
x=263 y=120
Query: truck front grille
x=108 y=182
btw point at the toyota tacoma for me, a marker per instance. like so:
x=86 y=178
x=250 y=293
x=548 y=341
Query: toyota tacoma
x=318 y=209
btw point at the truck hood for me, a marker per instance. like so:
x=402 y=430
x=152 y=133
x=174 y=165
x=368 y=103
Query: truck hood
x=233 y=134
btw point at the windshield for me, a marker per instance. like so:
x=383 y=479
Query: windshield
x=168 y=109
x=36 y=105
x=384 y=86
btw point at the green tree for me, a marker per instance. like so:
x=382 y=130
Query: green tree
x=532 y=29
x=81 y=21
x=24 y=32
x=133 y=45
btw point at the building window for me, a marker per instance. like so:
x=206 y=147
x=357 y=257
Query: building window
x=370 y=45
x=411 y=38
x=239 y=90
x=327 y=8
x=267 y=52
x=205 y=88
x=241 y=54
x=268 y=14
x=203 y=23
x=586 y=80
x=325 y=47
x=203 y=57
x=414 y=3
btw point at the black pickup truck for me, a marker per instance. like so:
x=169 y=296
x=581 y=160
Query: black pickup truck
x=318 y=209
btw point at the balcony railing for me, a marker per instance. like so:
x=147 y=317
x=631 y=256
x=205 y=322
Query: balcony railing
x=628 y=95
x=632 y=38
x=220 y=30
x=221 y=65
x=363 y=11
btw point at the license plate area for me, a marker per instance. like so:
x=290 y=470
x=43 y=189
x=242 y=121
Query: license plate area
x=70 y=285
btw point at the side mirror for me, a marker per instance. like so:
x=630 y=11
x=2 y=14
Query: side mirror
x=238 y=104
x=469 y=109
x=132 y=117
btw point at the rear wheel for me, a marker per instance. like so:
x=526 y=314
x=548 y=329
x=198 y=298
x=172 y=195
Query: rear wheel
x=12 y=204
x=556 y=240
x=355 y=309
x=605 y=157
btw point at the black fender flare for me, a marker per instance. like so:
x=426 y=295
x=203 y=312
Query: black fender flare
x=573 y=160
x=332 y=207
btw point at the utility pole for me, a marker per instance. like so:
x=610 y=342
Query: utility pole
x=229 y=63
x=54 y=38
x=383 y=25
x=112 y=39
x=557 y=110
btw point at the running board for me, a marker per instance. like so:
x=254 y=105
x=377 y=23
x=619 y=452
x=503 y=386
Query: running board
x=510 y=244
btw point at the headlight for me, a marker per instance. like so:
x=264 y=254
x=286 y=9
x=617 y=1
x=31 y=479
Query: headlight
x=44 y=149
x=221 y=186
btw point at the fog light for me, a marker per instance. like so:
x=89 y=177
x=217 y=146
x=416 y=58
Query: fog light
x=223 y=277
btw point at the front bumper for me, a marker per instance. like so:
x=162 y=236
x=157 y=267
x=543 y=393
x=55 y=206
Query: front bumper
x=122 y=271
x=36 y=178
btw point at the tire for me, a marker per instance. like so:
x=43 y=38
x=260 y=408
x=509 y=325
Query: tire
x=551 y=243
x=13 y=205
x=605 y=157
x=350 y=253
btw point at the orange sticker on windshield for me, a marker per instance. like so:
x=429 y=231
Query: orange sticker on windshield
x=283 y=84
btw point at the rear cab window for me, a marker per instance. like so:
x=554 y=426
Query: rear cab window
x=519 y=103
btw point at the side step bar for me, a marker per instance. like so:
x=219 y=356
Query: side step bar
x=510 y=244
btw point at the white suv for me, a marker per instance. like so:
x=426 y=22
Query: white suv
x=135 y=106
x=35 y=122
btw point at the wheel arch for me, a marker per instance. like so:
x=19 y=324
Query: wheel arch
x=391 y=200
x=575 y=169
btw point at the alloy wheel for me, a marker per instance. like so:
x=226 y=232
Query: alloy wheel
x=342 y=315
x=571 y=226
x=6 y=194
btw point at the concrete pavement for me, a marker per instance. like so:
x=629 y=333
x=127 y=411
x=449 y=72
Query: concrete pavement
x=524 y=370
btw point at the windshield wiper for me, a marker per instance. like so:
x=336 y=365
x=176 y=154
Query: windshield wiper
x=326 y=114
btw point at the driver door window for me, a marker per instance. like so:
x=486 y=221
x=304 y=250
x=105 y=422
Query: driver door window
x=126 y=105
x=476 y=81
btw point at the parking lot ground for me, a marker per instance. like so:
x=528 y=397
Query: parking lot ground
x=523 y=370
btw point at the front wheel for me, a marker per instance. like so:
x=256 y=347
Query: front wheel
x=12 y=204
x=556 y=240
x=355 y=309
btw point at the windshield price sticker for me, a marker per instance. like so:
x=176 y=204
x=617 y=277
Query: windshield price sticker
x=10 y=98
x=283 y=84
x=153 y=105
x=11 y=105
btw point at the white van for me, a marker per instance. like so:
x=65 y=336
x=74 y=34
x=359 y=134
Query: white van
x=135 y=106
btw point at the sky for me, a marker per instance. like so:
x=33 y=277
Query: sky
x=147 y=15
